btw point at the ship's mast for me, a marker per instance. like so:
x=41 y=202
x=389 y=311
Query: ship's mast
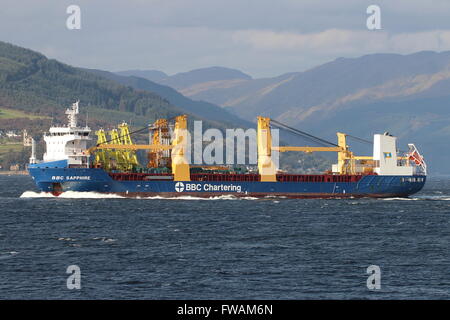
x=33 y=151
x=72 y=115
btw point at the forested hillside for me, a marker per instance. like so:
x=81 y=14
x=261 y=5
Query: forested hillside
x=31 y=82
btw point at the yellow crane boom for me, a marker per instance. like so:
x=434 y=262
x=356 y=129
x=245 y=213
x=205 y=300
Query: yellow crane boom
x=308 y=149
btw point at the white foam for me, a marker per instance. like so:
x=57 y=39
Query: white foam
x=422 y=198
x=32 y=194
x=401 y=199
x=440 y=198
x=97 y=195
x=71 y=195
x=223 y=197
x=66 y=239
x=104 y=239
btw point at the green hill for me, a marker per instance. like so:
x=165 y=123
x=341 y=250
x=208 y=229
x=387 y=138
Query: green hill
x=32 y=83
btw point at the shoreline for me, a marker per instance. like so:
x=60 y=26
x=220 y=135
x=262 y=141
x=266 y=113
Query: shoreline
x=11 y=173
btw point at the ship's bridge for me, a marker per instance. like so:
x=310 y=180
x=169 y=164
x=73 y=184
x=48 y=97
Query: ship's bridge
x=68 y=143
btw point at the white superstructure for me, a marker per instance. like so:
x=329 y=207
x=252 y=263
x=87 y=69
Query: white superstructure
x=390 y=163
x=385 y=153
x=70 y=142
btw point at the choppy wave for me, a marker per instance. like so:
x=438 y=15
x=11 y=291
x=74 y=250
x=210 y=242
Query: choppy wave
x=7 y=255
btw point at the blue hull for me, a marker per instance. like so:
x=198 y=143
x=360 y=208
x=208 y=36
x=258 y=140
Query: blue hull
x=57 y=180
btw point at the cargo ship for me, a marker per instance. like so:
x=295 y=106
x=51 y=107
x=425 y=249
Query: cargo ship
x=111 y=166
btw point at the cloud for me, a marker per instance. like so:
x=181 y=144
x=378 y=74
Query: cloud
x=260 y=37
x=337 y=42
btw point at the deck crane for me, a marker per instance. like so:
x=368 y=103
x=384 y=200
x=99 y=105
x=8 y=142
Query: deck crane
x=159 y=135
x=119 y=155
x=266 y=167
x=179 y=165
x=102 y=157
x=125 y=139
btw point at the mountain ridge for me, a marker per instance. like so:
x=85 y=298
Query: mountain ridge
x=202 y=109
x=152 y=75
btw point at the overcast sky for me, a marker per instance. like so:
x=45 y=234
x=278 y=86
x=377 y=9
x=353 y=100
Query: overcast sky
x=261 y=37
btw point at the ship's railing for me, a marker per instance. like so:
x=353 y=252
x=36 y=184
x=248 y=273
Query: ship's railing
x=318 y=178
x=219 y=177
x=129 y=176
x=77 y=154
x=80 y=134
x=225 y=177
x=280 y=177
x=83 y=165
